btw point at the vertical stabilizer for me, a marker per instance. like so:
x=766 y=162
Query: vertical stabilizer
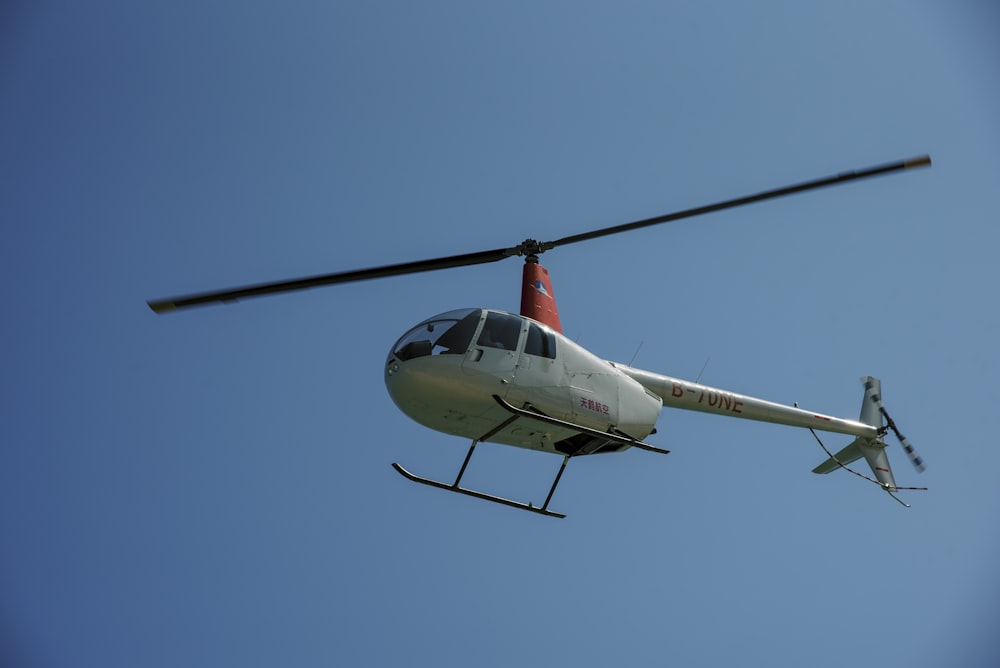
x=870 y=413
x=874 y=450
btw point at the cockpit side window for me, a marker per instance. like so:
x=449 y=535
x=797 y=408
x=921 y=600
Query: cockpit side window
x=501 y=330
x=541 y=342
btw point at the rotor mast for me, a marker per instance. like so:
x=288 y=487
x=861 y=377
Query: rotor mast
x=538 y=300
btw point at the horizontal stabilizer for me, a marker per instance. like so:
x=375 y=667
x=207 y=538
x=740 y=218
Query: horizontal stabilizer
x=849 y=454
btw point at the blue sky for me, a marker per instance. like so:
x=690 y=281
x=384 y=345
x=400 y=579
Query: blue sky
x=214 y=487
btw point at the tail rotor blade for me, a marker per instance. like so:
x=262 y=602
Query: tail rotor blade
x=915 y=459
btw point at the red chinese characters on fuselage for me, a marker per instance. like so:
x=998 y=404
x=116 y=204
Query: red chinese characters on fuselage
x=595 y=406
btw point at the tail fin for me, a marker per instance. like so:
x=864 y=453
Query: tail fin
x=872 y=449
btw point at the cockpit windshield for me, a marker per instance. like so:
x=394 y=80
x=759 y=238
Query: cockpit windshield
x=446 y=334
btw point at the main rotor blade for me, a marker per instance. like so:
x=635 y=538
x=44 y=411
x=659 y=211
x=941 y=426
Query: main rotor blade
x=921 y=161
x=234 y=294
x=529 y=247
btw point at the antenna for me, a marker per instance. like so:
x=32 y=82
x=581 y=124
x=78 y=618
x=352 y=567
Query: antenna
x=636 y=354
x=703 y=367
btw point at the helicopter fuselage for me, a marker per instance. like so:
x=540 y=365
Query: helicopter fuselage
x=446 y=372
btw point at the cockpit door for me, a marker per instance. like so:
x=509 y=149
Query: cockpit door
x=494 y=351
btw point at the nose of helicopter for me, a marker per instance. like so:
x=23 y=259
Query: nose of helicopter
x=430 y=389
x=423 y=372
x=402 y=383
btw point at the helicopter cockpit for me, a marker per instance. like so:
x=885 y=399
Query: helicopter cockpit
x=446 y=334
x=452 y=333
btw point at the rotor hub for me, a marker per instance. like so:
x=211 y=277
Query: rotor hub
x=532 y=248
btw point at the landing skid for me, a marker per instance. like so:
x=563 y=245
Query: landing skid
x=481 y=495
x=517 y=413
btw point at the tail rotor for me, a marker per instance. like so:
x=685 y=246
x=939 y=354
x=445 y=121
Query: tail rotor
x=915 y=458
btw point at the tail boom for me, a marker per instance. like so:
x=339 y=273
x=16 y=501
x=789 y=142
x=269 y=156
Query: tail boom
x=868 y=430
x=677 y=393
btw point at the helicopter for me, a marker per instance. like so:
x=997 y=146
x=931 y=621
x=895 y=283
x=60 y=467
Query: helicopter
x=490 y=375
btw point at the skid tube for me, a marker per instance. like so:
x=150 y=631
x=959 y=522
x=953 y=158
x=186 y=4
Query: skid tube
x=544 y=510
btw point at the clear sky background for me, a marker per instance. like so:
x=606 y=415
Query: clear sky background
x=214 y=487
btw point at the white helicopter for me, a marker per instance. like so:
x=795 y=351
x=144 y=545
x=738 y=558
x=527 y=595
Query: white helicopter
x=493 y=376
